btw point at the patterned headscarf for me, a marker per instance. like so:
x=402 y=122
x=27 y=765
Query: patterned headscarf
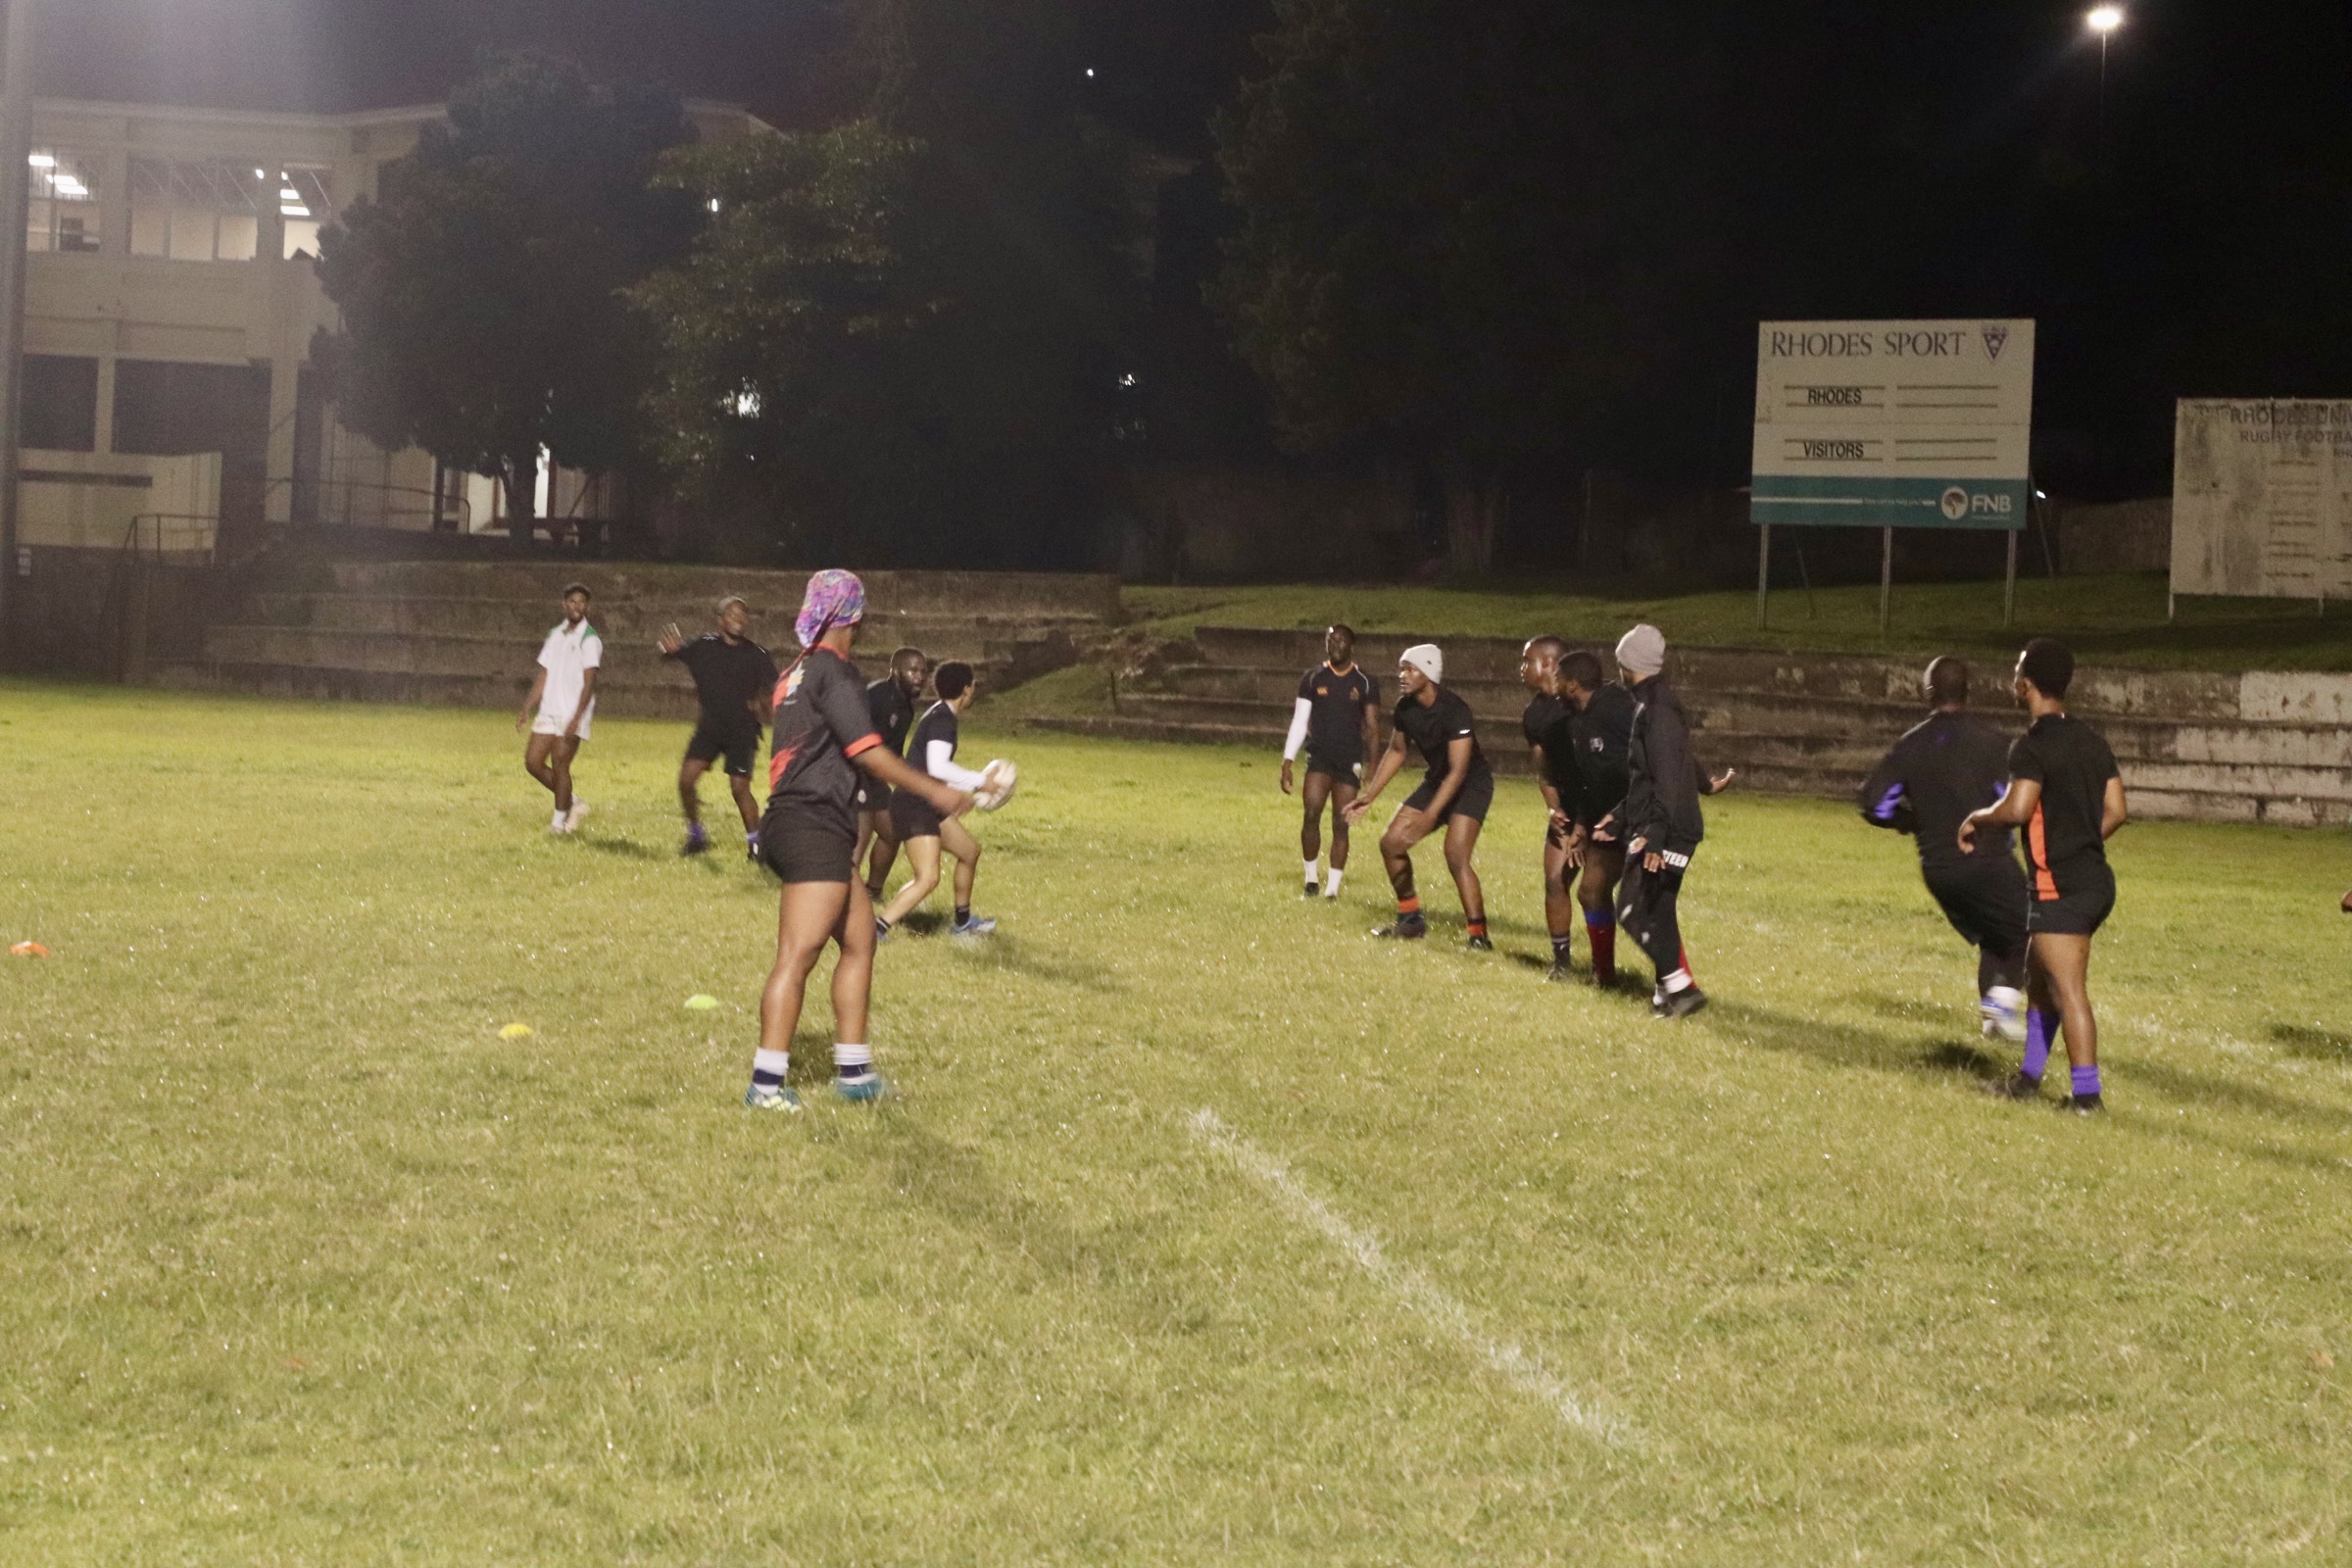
x=835 y=598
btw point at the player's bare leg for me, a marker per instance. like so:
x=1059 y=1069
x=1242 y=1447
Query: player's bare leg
x=1597 y=896
x=1405 y=829
x=922 y=858
x=1560 y=903
x=2058 y=980
x=739 y=786
x=690 y=790
x=958 y=841
x=1461 y=844
x=548 y=758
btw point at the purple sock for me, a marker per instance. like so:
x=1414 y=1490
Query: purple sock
x=2087 y=1080
x=2039 y=1027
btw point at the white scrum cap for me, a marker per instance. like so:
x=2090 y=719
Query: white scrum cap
x=1425 y=658
x=1643 y=650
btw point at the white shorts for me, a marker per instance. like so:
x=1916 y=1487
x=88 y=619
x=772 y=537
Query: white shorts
x=547 y=723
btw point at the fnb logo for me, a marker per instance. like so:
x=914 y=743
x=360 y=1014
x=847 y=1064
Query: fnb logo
x=1958 y=503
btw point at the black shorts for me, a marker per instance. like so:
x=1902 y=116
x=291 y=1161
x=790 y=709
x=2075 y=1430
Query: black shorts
x=873 y=795
x=1473 y=799
x=1985 y=902
x=798 y=850
x=739 y=745
x=911 y=817
x=2084 y=901
x=1340 y=769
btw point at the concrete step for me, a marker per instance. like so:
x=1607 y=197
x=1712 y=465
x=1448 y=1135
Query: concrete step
x=624 y=619
x=1090 y=595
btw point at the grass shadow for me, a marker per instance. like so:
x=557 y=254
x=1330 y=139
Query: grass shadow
x=627 y=849
x=1845 y=1044
x=2214 y=1092
x=2311 y=1045
x=997 y=952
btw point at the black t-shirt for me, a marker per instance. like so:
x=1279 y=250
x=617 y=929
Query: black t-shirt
x=1939 y=772
x=1335 y=712
x=892 y=710
x=938 y=725
x=1434 y=728
x=1540 y=716
x=1597 y=739
x=728 y=679
x=821 y=722
x=2072 y=763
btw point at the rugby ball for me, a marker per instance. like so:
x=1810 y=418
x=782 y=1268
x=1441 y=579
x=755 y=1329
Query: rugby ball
x=996 y=780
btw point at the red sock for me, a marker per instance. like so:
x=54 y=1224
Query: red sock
x=1478 y=928
x=1411 y=904
x=1604 y=952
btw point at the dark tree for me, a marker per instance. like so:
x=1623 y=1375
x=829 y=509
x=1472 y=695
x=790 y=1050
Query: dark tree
x=1469 y=234
x=483 y=291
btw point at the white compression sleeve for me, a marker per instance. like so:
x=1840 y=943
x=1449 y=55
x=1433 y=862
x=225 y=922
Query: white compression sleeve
x=939 y=760
x=1290 y=748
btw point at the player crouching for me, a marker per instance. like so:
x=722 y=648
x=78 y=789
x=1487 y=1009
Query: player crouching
x=1455 y=793
x=823 y=737
x=922 y=830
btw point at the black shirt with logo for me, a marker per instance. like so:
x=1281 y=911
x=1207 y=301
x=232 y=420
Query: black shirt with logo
x=1432 y=730
x=1600 y=739
x=1932 y=780
x=892 y=710
x=1335 y=716
x=820 y=724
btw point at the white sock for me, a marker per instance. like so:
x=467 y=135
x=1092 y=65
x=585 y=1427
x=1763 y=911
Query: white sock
x=1331 y=882
x=558 y=820
x=1680 y=980
x=1310 y=873
x=853 y=1062
x=770 y=1067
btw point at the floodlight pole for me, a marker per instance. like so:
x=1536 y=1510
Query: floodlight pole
x=1763 y=570
x=2009 y=586
x=1885 y=576
x=15 y=146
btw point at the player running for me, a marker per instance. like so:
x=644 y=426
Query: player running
x=822 y=739
x=1663 y=823
x=890 y=703
x=1455 y=793
x=1596 y=739
x=1940 y=771
x=1338 y=720
x=561 y=705
x=734 y=679
x=2065 y=791
x=921 y=827
x=1546 y=714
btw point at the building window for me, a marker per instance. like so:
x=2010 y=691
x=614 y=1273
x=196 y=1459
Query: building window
x=196 y=212
x=304 y=207
x=62 y=207
x=60 y=403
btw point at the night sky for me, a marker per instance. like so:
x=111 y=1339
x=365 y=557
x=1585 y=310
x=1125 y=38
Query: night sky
x=1882 y=158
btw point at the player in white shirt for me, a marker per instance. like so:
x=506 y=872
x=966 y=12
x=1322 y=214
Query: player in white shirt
x=561 y=704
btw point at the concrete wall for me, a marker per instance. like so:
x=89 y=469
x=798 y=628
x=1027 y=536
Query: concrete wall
x=2121 y=536
x=87 y=500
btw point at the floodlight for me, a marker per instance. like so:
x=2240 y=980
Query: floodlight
x=2104 y=19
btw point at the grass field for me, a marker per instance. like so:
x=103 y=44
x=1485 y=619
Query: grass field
x=2109 y=621
x=300 y=1263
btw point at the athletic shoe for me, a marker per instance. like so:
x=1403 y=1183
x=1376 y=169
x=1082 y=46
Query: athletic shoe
x=1657 y=1004
x=697 y=842
x=861 y=1090
x=578 y=815
x=1559 y=974
x=1312 y=892
x=1405 y=927
x=2004 y=1009
x=751 y=847
x=976 y=926
x=881 y=930
x=2081 y=1106
x=1480 y=944
x=1684 y=1003
x=1331 y=898
x=763 y=1097
x=2017 y=1086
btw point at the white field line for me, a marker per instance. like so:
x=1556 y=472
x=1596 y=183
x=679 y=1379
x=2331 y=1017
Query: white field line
x=1410 y=1284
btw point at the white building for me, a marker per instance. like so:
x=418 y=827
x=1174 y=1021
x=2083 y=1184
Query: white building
x=170 y=306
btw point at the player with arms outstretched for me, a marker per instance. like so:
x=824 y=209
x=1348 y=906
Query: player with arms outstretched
x=1455 y=794
x=823 y=738
x=1336 y=718
x=1941 y=770
x=2068 y=795
x=734 y=680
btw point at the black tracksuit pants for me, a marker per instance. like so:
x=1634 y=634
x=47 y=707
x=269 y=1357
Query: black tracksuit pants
x=1646 y=908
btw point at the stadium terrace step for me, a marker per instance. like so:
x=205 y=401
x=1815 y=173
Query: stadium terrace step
x=2262 y=747
x=468 y=632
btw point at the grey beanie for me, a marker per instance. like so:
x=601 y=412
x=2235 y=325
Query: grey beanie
x=1643 y=650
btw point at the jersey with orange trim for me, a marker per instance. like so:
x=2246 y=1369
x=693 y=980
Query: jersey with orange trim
x=2064 y=848
x=821 y=722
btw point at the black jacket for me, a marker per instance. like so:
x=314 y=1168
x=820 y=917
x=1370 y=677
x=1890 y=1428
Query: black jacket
x=1939 y=772
x=1661 y=799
